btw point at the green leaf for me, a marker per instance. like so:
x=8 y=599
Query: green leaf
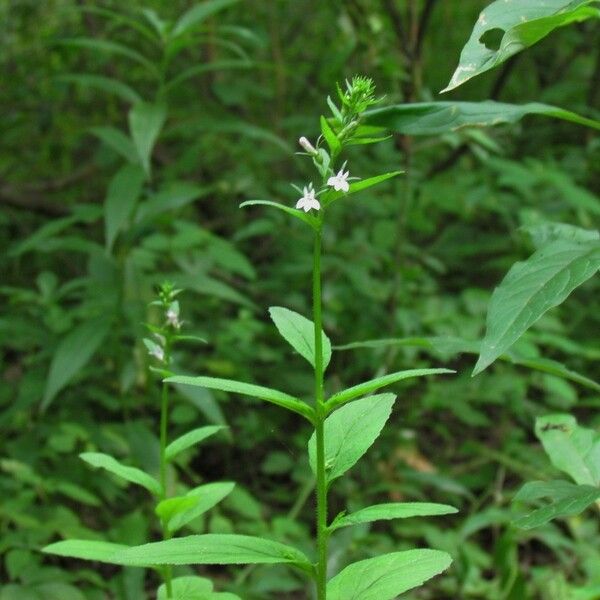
x=199 y=13
x=247 y=389
x=567 y=500
x=307 y=218
x=299 y=332
x=350 y=432
x=166 y=509
x=573 y=449
x=72 y=354
x=531 y=288
x=435 y=118
x=213 y=549
x=192 y=587
x=387 y=576
x=191 y=438
x=392 y=510
x=374 y=384
x=105 y=461
x=204 y=497
x=334 y=144
x=105 y=84
x=86 y=550
x=114 y=138
x=122 y=195
x=331 y=195
x=173 y=196
x=217 y=65
x=523 y=24
x=145 y=123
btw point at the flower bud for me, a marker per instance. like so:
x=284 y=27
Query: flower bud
x=307 y=145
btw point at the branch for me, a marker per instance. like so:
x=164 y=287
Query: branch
x=423 y=24
x=398 y=24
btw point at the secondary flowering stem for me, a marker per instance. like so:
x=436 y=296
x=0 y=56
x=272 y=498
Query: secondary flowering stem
x=322 y=533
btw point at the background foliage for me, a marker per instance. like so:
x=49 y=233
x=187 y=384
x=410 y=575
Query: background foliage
x=415 y=258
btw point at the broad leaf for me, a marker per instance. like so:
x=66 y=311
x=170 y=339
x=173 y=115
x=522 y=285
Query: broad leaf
x=114 y=138
x=189 y=439
x=199 y=13
x=205 y=497
x=392 y=510
x=299 y=332
x=247 y=389
x=573 y=449
x=522 y=23
x=86 y=550
x=145 y=123
x=374 y=384
x=566 y=500
x=121 y=198
x=435 y=118
x=105 y=461
x=350 y=432
x=307 y=218
x=531 y=288
x=387 y=576
x=213 y=549
x=72 y=354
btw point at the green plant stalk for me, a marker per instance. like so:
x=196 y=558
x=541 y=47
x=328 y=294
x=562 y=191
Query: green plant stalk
x=322 y=533
x=167 y=570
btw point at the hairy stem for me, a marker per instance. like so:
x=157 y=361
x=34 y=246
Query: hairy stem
x=322 y=533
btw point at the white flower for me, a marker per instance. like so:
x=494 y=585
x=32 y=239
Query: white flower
x=307 y=145
x=339 y=182
x=308 y=199
x=157 y=352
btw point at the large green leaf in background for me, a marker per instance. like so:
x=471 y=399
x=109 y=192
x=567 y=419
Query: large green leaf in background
x=531 y=288
x=523 y=23
x=435 y=118
x=145 y=122
x=387 y=576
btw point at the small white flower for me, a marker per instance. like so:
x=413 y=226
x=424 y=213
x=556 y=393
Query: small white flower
x=157 y=352
x=308 y=199
x=339 y=182
x=172 y=315
x=307 y=145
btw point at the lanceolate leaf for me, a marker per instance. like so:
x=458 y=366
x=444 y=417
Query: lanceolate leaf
x=105 y=84
x=189 y=439
x=213 y=549
x=435 y=118
x=566 y=500
x=530 y=289
x=387 y=576
x=191 y=587
x=199 y=13
x=573 y=449
x=72 y=354
x=118 y=141
x=300 y=333
x=370 y=386
x=145 y=122
x=307 y=218
x=331 y=195
x=350 y=432
x=392 y=510
x=86 y=550
x=523 y=23
x=105 y=461
x=247 y=389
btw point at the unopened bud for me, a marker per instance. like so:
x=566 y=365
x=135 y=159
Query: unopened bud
x=307 y=145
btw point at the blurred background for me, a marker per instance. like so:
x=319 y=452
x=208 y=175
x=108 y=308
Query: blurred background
x=416 y=257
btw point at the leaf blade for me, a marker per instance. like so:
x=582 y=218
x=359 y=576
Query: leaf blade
x=191 y=438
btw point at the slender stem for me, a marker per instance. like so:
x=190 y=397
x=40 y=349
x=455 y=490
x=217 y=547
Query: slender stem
x=322 y=533
x=167 y=571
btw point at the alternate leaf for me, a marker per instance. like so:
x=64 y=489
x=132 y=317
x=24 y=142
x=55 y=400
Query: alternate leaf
x=247 y=389
x=331 y=195
x=523 y=24
x=374 y=384
x=114 y=138
x=86 y=550
x=334 y=144
x=199 y=13
x=298 y=214
x=435 y=118
x=173 y=196
x=145 y=123
x=392 y=510
x=299 y=332
x=192 y=587
x=123 y=193
x=72 y=354
x=566 y=500
x=191 y=438
x=573 y=449
x=105 y=84
x=387 y=576
x=137 y=476
x=531 y=288
x=213 y=549
x=350 y=432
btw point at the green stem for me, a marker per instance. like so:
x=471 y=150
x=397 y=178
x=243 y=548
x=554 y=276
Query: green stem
x=322 y=534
